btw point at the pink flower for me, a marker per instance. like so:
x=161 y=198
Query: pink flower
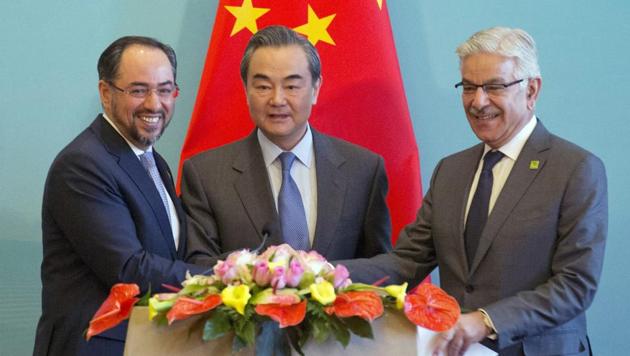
x=261 y=273
x=278 y=280
x=341 y=277
x=235 y=268
x=294 y=273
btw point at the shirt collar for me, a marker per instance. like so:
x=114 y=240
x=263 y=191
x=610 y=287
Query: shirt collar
x=133 y=147
x=514 y=147
x=303 y=150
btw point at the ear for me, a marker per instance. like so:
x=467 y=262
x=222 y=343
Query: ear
x=533 y=89
x=105 y=93
x=316 y=87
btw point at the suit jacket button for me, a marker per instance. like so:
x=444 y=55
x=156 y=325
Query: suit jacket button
x=469 y=288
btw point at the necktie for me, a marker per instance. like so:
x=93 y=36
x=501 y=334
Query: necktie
x=148 y=161
x=478 y=212
x=290 y=207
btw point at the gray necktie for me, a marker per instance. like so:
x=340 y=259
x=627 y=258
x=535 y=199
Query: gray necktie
x=148 y=161
x=478 y=212
x=291 y=208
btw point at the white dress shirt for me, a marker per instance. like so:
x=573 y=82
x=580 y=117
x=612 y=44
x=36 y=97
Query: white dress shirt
x=174 y=219
x=303 y=173
x=502 y=169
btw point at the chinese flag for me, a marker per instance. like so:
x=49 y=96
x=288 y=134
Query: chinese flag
x=362 y=99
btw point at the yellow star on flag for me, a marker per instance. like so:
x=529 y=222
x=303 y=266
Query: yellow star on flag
x=246 y=16
x=316 y=28
x=380 y=4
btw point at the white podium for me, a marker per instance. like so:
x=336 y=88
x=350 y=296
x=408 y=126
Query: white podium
x=394 y=335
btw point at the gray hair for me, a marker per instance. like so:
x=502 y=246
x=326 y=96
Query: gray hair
x=508 y=42
x=281 y=36
x=109 y=61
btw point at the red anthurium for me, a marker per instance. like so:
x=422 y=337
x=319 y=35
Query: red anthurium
x=114 y=309
x=186 y=307
x=430 y=307
x=285 y=315
x=364 y=304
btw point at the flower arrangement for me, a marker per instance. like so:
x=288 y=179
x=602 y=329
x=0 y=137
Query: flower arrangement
x=301 y=291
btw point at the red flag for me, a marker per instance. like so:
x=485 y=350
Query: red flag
x=362 y=99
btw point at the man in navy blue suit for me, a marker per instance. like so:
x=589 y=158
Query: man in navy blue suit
x=110 y=213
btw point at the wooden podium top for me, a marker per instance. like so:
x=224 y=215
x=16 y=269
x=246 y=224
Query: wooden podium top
x=394 y=335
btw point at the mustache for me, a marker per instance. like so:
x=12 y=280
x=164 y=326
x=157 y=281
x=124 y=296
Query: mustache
x=483 y=112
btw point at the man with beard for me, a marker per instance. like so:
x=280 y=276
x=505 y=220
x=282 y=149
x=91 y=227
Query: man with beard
x=110 y=213
x=517 y=223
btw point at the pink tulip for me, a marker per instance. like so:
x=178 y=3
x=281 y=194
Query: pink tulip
x=261 y=273
x=278 y=280
x=294 y=273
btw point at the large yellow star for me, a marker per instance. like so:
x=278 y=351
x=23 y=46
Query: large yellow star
x=316 y=29
x=246 y=16
x=380 y=4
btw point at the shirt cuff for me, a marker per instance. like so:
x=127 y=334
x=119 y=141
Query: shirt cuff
x=488 y=321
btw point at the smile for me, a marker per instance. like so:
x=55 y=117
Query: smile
x=150 y=119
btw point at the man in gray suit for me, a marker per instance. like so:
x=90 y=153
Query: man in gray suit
x=526 y=260
x=233 y=194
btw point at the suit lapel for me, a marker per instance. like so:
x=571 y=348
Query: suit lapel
x=331 y=189
x=129 y=163
x=516 y=186
x=254 y=189
x=167 y=179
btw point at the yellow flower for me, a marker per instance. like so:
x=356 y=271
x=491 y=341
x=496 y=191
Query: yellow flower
x=323 y=292
x=398 y=292
x=236 y=297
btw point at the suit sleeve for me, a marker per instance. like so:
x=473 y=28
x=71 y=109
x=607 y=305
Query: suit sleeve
x=576 y=262
x=203 y=245
x=377 y=224
x=412 y=259
x=90 y=210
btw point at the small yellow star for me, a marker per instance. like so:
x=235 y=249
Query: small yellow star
x=246 y=16
x=316 y=28
x=380 y=4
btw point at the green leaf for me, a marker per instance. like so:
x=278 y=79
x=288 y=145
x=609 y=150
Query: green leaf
x=238 y=344
x=340 y=331
x=320 y=329
x=359 y=326
x=295 y=336
x=247 y=332
x=217 y=325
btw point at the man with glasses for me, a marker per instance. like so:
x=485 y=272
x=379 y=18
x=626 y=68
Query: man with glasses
x=110 y=213
x=516 y=224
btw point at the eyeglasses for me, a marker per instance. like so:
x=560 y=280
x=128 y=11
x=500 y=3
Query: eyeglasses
x=141 y=92
x=490 y=88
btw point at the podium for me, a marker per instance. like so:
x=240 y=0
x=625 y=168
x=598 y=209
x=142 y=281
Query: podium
x=393 y=335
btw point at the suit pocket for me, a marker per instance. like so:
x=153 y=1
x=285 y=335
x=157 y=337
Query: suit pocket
x=562 y=342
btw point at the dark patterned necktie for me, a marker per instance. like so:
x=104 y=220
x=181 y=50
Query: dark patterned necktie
x=478 y=212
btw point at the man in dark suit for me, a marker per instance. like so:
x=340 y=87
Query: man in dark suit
x=106 y=218
x=234 y=194
x=519 y=244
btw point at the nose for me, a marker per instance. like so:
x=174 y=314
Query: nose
x=278 y=98
x=480 y=98
x=152 y=100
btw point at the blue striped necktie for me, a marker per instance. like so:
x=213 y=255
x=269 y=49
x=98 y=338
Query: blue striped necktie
x=291 y=208
x=148 y=161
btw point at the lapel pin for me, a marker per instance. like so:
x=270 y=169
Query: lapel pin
x=534 y=164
